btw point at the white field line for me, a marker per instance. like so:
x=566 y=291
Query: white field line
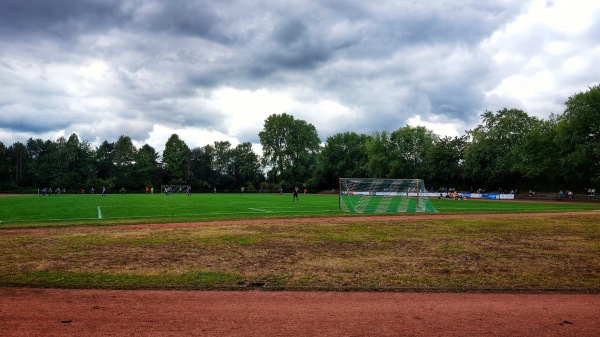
x=260 y=210
x=99 y=213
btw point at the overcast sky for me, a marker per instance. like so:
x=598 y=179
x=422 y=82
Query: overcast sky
x=215 y=70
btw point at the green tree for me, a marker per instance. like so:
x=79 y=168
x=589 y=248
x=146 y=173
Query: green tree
x=4 y=167
x=222 y=157
x=492 y=155
x=146 y=167
x=176 y=159
x=79 y=161
x=343 y=155
x=537 y=156
x=444 y=162
x=124 y=160
x=579 y=139
x=105 y=163
x=381 y=161
x=17 y=157
x=38 y=170
x=411 y=147
x=245 y=166
x=201 y=159
x=290 y=149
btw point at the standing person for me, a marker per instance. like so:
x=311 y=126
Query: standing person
x=214 y=190
x=146 y=189
x=103 y=192
x=295 y=198
x=152 y=190
x=281 y=191
x=305 y=191
x=242 y=189
x=189 y=191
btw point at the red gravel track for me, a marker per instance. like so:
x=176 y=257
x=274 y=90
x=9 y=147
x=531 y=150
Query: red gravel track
x=52 y=312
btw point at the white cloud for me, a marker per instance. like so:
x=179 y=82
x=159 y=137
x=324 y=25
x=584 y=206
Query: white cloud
x=544 y=56
x=440 y=125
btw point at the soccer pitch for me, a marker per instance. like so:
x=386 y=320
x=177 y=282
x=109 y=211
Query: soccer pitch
x=74 y=209
x=90 y=209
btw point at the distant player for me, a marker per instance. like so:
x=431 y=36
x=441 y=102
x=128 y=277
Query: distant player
x=103 y=192
x=189 y=191
x=295 y=198
x=242 y=189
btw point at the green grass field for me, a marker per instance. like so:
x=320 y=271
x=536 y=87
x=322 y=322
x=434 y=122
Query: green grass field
x=69 y=210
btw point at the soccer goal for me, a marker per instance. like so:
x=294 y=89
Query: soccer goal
x=366 y=195
x=170 y=189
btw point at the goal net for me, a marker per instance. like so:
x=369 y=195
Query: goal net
x=170 y=189
x=366 y=195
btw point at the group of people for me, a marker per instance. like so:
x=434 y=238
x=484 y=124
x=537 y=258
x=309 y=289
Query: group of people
x=46 y=191
x=93 y=191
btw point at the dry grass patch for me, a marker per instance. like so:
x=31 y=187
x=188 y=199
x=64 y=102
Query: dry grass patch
x=528 y=254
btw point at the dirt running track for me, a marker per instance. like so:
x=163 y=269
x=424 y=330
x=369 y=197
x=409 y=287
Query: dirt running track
x=53 y=312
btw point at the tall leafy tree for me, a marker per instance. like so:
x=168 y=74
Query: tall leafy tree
x=246 y=165
x=176 y=160
x=4 y=166
x=124 y=159
x=343 y=155
x=222 y=165
x=201 y=159
x=579 y=139
x=222 y=157
x=492 y=154
x=537 y=158
x=412 y=146
x=444 y=162
x=146 y=167
x=79 y=161
x=17 y=156
x=105 y=163
x=38 y=171
x=290 y=148
x=381 y=161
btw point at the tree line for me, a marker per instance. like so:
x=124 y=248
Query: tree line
x=508 y=150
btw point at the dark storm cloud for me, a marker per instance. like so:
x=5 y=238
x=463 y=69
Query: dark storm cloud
x=103 y=68
x=61 y=19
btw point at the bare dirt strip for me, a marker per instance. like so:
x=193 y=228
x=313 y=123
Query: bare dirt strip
x=60 y=312
x=401 y=218
x=54 y=312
